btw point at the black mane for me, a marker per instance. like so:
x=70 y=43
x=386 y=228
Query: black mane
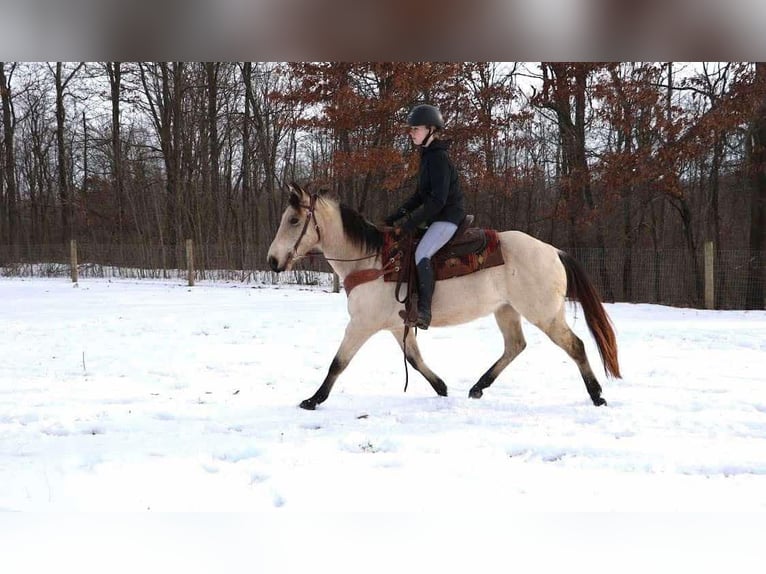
x=359 y=231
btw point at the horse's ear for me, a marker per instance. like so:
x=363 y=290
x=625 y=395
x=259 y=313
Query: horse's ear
x=295 y=195
x=297 y=189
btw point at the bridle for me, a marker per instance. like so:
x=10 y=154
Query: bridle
x=311 y=215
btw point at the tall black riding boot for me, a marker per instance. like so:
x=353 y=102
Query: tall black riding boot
x=426 y=283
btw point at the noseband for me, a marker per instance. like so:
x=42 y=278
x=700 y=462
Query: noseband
x=310 y=215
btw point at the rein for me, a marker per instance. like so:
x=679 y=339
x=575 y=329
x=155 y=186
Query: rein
x=312 y=255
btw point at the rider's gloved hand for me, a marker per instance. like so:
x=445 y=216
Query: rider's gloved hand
x=391 y=219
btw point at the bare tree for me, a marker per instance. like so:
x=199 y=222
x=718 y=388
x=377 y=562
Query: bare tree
x=114 y=72
x=163 y=85
x=564 y=92
x=212 y=77
x=9 y=216
x=62 y=77
x=755 y=284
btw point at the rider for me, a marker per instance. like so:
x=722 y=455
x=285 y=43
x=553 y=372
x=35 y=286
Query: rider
x=438 y=197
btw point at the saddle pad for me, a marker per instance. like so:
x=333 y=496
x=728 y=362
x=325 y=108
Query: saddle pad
x=449 y=261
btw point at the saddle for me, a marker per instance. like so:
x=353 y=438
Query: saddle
x=471 y=249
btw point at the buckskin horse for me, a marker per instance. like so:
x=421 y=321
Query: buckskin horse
x=533 y=282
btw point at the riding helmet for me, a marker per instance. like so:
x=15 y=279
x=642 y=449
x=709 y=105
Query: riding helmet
x=425 y=115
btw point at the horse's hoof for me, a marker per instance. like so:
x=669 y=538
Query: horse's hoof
x=599 y=402
x=475 y=393
x=309 y=405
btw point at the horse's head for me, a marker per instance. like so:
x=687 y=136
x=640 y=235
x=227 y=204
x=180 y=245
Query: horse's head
x=298 y=231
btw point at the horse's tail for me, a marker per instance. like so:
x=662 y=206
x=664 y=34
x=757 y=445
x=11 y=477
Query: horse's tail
x=580 y=288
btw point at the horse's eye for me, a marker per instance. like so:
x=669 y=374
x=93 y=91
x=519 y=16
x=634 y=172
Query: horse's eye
x=293 y=221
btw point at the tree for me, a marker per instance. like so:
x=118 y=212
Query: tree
x=713 y=83
x=212 y=144
x=564 y=92
x=163 y=85
x=628 y=155
x=362 y=107
x=631 y=108
x=114 y=73
x=489 y=94
x=757 y=152
x=8 y=203
x=62 y=78
x=37 y=166
x=272 y=122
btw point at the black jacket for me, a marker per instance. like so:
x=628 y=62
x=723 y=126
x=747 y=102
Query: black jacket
x=438 y=193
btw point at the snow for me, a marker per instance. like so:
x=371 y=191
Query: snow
x=153 y=396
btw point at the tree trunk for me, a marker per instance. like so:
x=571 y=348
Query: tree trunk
x=67 y=203
x=248 y=217
x=84 y=155
x=687 y=225
x=574 y=161
x=581 y=77
x=114 y=71
x=163 y=90
x=754 y=298
x=714 y=233
x=217 y=203
x=10 y=207
x=63 y=180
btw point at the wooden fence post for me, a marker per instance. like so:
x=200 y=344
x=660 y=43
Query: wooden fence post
x=709 y=275
x=335 y=283
x=73 y=260
x=190 y=262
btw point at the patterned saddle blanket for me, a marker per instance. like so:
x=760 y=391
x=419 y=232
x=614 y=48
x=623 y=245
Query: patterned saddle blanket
x=471 y=249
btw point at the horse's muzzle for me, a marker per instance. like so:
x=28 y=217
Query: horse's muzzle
x=274 y=264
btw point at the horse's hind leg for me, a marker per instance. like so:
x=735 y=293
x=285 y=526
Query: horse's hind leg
x=509 y=321
x=560 y=333
x=414 y=358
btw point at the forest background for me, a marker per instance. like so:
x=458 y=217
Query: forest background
x=633 y=167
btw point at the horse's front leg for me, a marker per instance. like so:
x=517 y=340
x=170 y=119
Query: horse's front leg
x=354 y=337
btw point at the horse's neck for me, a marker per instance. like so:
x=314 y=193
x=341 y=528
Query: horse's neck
x=342 y=255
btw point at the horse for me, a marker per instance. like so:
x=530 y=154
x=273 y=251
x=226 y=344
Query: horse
x=534 y=282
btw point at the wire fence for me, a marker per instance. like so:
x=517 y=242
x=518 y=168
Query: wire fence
x=672 y=277
x=120 y=261
x=669 y=277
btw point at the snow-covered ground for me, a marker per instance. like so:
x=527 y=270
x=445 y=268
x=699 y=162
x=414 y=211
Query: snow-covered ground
x=143 y=395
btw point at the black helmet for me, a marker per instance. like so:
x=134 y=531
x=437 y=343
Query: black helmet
x=425 y=115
